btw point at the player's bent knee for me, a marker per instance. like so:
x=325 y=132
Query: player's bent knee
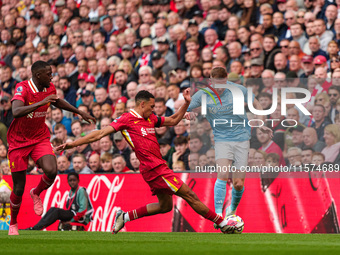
x=238 y=185
x=19 y=191
x=51 y=172
x=166 y=207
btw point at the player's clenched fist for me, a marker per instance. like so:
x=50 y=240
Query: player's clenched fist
x=186 y=95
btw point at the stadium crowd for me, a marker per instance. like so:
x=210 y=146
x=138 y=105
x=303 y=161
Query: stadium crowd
x=103 y=52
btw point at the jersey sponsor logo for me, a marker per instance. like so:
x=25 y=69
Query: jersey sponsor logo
x=19 y=89
x=36 y=115
x=150 y=130
x=144 y=133
x=40 y=114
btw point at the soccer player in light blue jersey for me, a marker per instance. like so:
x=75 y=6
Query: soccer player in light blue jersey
x=231 y=140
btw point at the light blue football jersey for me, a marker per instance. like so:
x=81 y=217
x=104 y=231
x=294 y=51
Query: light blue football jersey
x=224 y=132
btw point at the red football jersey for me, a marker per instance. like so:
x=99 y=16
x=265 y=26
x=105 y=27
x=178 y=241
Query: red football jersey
x=140 y=134
x=30 y=129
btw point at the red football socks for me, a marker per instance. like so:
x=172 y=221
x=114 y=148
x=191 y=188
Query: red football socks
x=138 y=213
x=213 y=217
x=15 y=203
x=44 y=183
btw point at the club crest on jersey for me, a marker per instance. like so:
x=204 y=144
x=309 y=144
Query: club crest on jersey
x=19 y=89
x=144 y=133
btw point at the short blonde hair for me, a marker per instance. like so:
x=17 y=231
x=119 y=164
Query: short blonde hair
x=106 y=157
x=325 y=97
x=334 y=130
x=125 y=61
x=180 y=164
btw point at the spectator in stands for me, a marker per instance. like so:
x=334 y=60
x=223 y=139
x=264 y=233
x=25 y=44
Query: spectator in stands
x=6 y=115
x=101 y=96
x=314 y=46
x=196 y=145
x=134 y=161
x=94 y=163
x=103 y=68
x=318 y=158
x=174 y=95
x=3 y=152
x=294 y=156
x=59 y=118
x=87 y=97
x=79 y=209
x=106 y=162
x=122 y=148
x=319 y=114
x=297 y=136
x=7 y=81
x=280 y=63
x=63 y=165
x=334 y=95
x=79 y=164
x=5 y=192
x=268 y=146
x=164 y=49
x=161 y=109
x=332 y=140
x=307 y=66
x=260 y=158
x=211 y=157
x=60 y=132
x=76 y=128
x=119 y=164
x=324 y=35
x=272 y=159
x=211 y=39
x=306 y=156
x=181 y=151
x=106 y=144
x=310 y=140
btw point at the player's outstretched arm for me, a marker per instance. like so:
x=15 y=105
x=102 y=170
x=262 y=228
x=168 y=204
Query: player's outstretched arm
x=62 y=104
x=174 y=119
x=19 y=109
x=91 y=137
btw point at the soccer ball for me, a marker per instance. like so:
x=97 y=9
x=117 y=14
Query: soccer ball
x=237 y=222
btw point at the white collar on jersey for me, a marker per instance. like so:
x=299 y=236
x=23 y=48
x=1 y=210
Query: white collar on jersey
x=135 y=113
x=33 y=87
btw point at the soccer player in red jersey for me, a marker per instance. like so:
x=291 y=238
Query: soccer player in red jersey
x=138 y=128
x=28 y=136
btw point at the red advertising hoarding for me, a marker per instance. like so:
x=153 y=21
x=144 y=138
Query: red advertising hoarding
x=287 y=205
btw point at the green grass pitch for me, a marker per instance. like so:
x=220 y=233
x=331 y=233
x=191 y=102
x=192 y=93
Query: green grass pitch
x=42 y=242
